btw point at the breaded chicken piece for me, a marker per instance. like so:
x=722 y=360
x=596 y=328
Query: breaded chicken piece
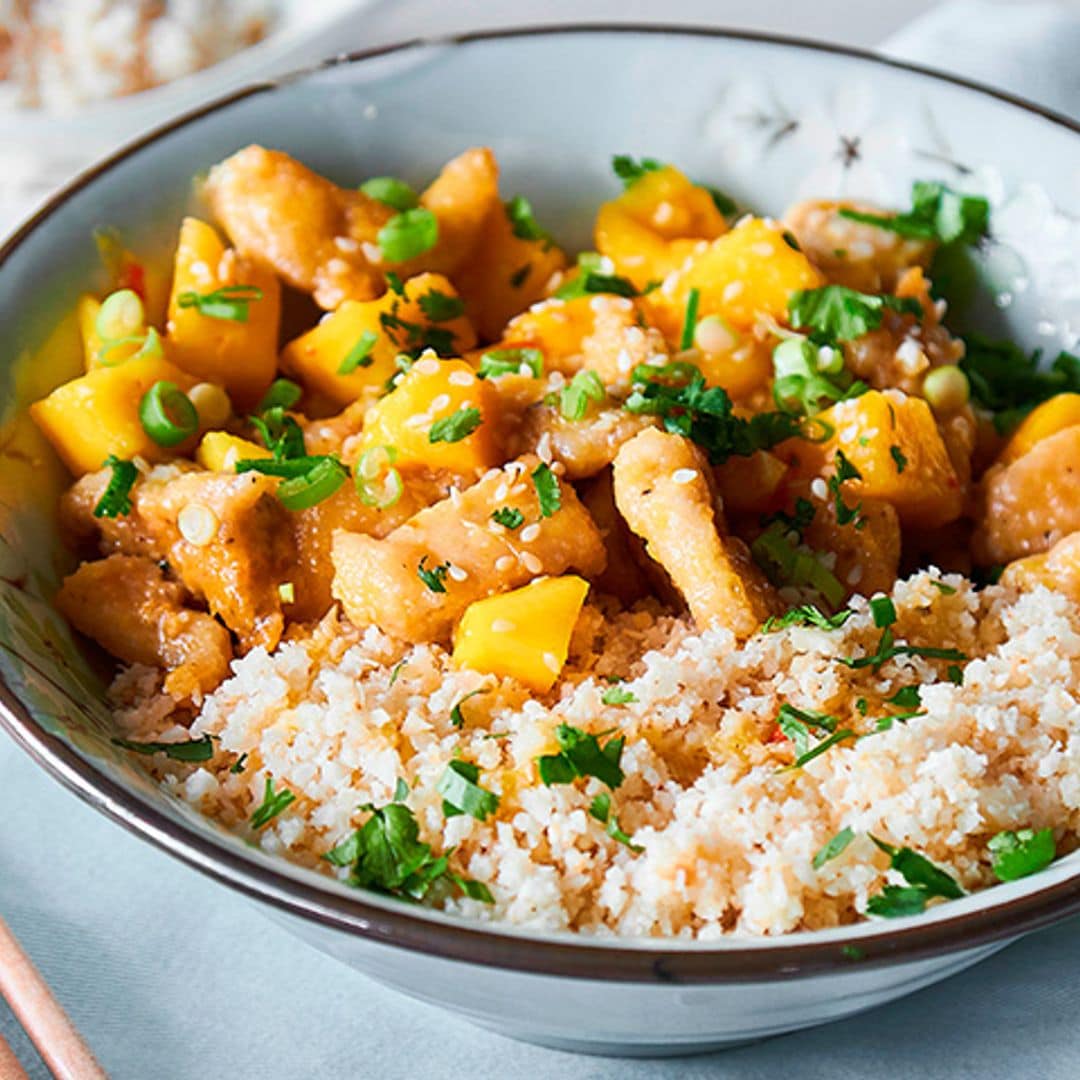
x=618 y=343
x=128 y=607
x=323 y=239
x=248 y=550
x=584 y=446
x=867 y=549
x=1026 y=507
x=860 y=256
x=463 y=553
x=662 y=490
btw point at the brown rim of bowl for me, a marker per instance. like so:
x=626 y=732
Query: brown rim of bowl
x=475 y=942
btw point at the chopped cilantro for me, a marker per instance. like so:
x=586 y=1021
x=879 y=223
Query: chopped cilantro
x=394 y=283
x=955 y=675
x=618 y=695
x=629 y=170
x=115 y=500
x=201 y=749
x=899 y=457
x=462 y=794
x=359 y=355
x=272 y=805
x=580 y=754
x=937 y=213
x=836 y=846
x=510 y=517
x=547 y=488
x=1018 y=854
x=600 y=808
x=836 y=313
x=523 y=221
x=722 y=201
x=434 y=577
x=439 y=307
x=845 y=515
x=907 y=697
x=677 y=394
x=806 y=615
x=239 y=764
x=589 y=282
x=457 y=717
x=924 y=882
x=796 y=724
x=496 y=362
x=457 y=426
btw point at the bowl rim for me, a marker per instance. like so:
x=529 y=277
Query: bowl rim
x=649 y=960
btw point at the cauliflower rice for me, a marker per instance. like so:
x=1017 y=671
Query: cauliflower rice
x=728 y=839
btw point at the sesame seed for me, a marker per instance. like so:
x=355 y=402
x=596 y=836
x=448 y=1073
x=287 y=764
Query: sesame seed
x=819 y=489
x=624 y=361
x=530 y=533
x=861 y=249
x=503 y=626
x=531 y=562
x=684 y=476
x=731 y=290
x=663 y=213
x=500 y=491
x=337 y=266
x=764 y=249
x=456 y=573
x=372 y=252
x=198 y=524
x=855 y=574
x=850 y=433
x=347 y=244
x=428 y=366
x=504 y=563
x=461 y=378
x=543 y=448
x=551 y=662
x=440 y=402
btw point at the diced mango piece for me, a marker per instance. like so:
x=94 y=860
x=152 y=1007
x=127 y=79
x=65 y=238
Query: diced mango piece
x=894 y=442
x=87 y=310
x=1060 y=412
x=1029 y=505
x=432 y=392
x=97 y=414
x=651 y=228
x=750 y=484
x=396 y=322
x=506 y=274
x=556 y=327
x=524 y=634
x=240 y=355
x=219 y=451
x=747 y=272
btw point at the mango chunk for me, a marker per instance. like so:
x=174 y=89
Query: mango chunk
x=506 y=274
x=353 y=348
x=240 y=355
x=651 y=228
x=1060 y=412
x=894 y=442
x=558 y=328
x=219 y=451
x=443 y=399
x=748 y=272
x=87 y=312
x=97 y=414
x=524 y=634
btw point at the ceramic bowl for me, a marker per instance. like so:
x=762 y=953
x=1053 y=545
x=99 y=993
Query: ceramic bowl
x=767 y=120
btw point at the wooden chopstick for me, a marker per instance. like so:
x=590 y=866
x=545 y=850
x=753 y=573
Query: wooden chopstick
x=10 y=1069
x=40 y=1014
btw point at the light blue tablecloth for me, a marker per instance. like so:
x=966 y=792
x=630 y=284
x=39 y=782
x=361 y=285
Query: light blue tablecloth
x=172 y=978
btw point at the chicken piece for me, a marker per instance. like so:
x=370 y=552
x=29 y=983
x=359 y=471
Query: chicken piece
x=314 y=530
x=1026 y=507
x=618 y=342
x=463 y=554
x=583 y=446
x=128 y=607
x=323 y=239
x=241 y=547
x=623 y=575
x=858 y=255
x=1058 y=569
x=662 y=490
x=328 y=436
x=867 y=555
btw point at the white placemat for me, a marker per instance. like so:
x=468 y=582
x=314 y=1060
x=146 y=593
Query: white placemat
x=170 y=977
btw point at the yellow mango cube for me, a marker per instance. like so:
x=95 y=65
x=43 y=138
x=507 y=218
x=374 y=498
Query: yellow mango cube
x=239 y=355
x=1052 y=416
x=353 y=348
x=219 y=451
x=745 y=273
x=87 y=312
x=557 y=328
x=651 y=228
x=440 y=415
x=97 y=414
x=523 y=634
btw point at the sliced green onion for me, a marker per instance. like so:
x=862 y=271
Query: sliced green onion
x=283 y=393
x=149 y=348
x=574 y=398
x=496 y=362
x=301 y=492
x=713 y=335
x=408 y=234
x=391 y=191
x=121 y=315
x=374 y=465
x=777 y=554
x=359 y=355
x=231 y=302
x=690 y=319
x=167 y=414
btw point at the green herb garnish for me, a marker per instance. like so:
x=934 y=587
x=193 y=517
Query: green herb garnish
x=548 y=492
x=618 y=695
x=201 y=749
x=312 y=487
x=836 y=313
x=439 y=307
x=239 y=764
x=686 y=338
x=1018 y=854
x=390 y=190
x=600 y=808
x=629 y=170
x=845 y=515
x=283 y=394
x=457 y=426
x=272 y=805
x=523 y=221
x=359 y=355
x=462 y=794
x=434 y=577
x=591 y=282
x=574 y=398
x=167 y=414
x=231 y=302
x=457 y=717
x=408 y=234
x=580 y=755
x=510 y=517
x=937 y=213
x=777 y=552
x=496 y=362
x=836 y=846
x=115 y=500
x=809 y=377
x=883 y=611
x=806 y=615
x=924 y=882
x=899 y=457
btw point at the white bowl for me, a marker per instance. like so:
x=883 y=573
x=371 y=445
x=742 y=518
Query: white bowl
x=767 y=120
